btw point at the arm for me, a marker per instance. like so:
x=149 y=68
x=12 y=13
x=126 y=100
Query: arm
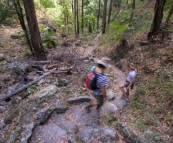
x=104 y=93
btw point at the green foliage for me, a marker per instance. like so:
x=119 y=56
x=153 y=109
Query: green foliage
x=141 y=125
x=47 y=3
x=119 y=30
x=31 y=89
x=91 y=11
x=49 y=40
x=168 y=4
x=88 y=68
x=6 y=13
x=152 y=136
x=139 y=102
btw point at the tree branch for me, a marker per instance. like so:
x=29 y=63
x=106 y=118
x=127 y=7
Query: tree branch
x=8 y=95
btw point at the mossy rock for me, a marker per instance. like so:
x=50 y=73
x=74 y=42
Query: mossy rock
x=13 y=113
x=109 y=118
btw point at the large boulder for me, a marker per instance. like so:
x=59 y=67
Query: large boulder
x=107 y=112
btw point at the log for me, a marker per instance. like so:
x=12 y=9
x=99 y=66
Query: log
x=8 y=95
x=128 y=135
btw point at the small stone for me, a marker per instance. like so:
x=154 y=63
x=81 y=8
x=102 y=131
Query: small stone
x=2 y=108
x=34 y=108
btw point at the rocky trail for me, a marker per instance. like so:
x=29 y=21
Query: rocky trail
x=56 y=114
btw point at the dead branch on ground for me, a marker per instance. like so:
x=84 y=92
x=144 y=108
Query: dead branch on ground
x=8 y=95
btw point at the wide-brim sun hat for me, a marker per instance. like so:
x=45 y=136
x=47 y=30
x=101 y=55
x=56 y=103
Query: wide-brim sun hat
x=104 y=61
x=132 y=66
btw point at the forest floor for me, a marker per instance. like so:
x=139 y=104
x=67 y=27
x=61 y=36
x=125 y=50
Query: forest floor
x=150 y=113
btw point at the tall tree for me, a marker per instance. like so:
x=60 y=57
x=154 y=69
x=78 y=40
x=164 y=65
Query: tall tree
x=82 y=25
x=158 y=15
x=169 y=15
x=75 y=19
x=19 y=12
x=133 y=7
x=104 y=17
x=110 y=9
x=77 y=16
x=34 y=30
x=98 y=15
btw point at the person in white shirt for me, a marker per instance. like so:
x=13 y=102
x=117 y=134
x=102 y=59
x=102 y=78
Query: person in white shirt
x=129 y=80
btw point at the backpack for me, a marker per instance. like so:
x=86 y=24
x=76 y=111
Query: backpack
x=91 y=80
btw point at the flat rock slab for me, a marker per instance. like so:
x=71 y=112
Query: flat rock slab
x=60 y=107
x=79 y=99
x=98 y=135
x=78 y=116
x=49 y=133
x=62 y=122
x=48 y=91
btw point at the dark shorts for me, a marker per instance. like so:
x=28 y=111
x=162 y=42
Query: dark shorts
x=127 y=84
x=100 y=99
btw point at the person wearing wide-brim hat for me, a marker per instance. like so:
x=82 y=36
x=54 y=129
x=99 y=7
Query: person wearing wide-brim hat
x=129 y=83
x=102 y=82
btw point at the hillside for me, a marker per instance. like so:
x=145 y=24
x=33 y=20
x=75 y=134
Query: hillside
x=52 y=109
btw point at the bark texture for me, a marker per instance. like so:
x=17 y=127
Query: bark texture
x=158 y=15
x=34 y=30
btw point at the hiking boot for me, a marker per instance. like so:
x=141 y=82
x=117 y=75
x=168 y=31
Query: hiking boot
x=87 y=108
x=98 y=107
x=124 y=96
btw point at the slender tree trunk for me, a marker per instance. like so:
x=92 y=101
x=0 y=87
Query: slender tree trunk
x=158 y=15
x=104 y=17
x=133 y=7
x=19 y=12
x=82 y=26
x=72 y=8
x=98 y=16
x=169 y=15
x=34 y=30
x=110 y=9
x=134 y=4
x=89 y=28
x=75 y=31
x=77 y=17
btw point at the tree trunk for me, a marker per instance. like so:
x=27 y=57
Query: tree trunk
x=169 y=15
x=133 y=7
x=104 y=17
x=77 y=17
x=82 y=26
x=89 y=28
x=19 y=12
x=158 y=15
x=98 y=16
x=34 y=30
x=75 y=31
x=72 y=8
x=110 y=9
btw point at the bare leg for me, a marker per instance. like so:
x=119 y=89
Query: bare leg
x=127 y=91
x=121 y=87
x=90 y=105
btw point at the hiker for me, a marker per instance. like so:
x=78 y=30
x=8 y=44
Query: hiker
x=102 y=82
x=129 y=83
